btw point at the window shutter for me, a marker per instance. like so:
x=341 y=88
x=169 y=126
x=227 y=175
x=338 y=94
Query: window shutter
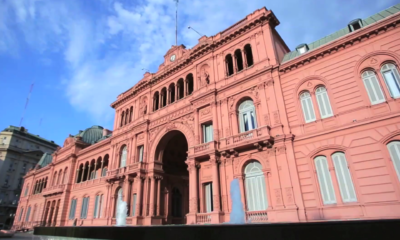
x=327 y=104
x=323 y=102
x=305 y=110
x=141 y=154
x=325 y=181
x=101 y=206
x=83 y=207
x=96 y=200
x=394 y=150
x=310 y=108
x=321 y=105
x=373 y=89
x=344 y=178
x=241 y=123
x=87 y=207
x=134 y=205
x=392 y=79
x=208 y=189
x=204 y=134
x=253 y=120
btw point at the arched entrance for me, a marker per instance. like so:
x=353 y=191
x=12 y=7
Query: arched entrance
x=172 y=153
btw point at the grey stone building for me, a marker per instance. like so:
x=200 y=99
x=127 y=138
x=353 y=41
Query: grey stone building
x=19 y=152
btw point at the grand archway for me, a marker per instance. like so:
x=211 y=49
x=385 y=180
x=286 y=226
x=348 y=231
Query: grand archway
x=172 y=153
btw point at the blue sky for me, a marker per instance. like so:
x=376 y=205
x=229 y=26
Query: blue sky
x=81 y=54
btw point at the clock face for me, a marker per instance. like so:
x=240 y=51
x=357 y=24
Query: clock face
x=173 y=58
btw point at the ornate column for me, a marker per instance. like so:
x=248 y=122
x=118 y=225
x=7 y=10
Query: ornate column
x=193 y=185
x=213 y=106
x=101 y=167
x=88 y=173
x=234 y=119
x=244 y=58
x=168 y=95
x=226 y=68
x=196 y=127
x=95 y=165
x=214 y=160
x=158 y=195
x=151 y=202
x=83 y=170
x=139 y=195
x=177 y=91
x=186 y=87
x=133 y=149
x=234 y=60
x=159 y=100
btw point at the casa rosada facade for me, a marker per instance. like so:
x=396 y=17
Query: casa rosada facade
x=311 y=134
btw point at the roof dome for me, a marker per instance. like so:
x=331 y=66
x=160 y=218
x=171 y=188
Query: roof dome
x=45 y=160
x=91 y=135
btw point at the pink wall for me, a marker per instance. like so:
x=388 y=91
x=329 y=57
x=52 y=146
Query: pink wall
x=283 y=143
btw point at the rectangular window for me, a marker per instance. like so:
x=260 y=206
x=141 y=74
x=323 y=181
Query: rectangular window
x=208 y=197
x=344 y=178
x=100 y=207
x=72 y=209
x=96 y=204
x=85 y=206
x=27 y=214
x=207 y=132
x=325 y=180
x=140 y=151
x=20 y=215
x=26 y=190
x=134 y=204
x=93 y=175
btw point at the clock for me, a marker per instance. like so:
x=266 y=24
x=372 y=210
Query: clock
x=173 y=58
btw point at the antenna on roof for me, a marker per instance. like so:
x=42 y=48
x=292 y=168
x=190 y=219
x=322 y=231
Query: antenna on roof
x=26 y=104
x=195 y=31
x=176 y=23
x=145 y=69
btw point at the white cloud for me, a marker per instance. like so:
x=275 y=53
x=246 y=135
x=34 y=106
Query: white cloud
x=105 y=45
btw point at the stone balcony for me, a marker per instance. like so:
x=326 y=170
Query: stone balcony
x=258 y=137
x=89 y=183
x=203 y=149
x=57 y=189
x=120 y=172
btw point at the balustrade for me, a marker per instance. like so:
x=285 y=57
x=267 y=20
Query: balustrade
x=257 y=216
x=251 y=136
x=203 y=217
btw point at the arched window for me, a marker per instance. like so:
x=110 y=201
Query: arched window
x=98 y=203
x=307 y=106
x=104 y=172
x=323 y=102
x=124 y=154
x=130 y=114
x=248 y=55
x=344 y=178
x=180 y=89
x=163 y=97
x=55 y=179
x=26 y=190
x=65 y=181
x=126 y=116
x=171 y=92
x=392 y=79
x=373 y=89
x=247 y=116
x=256 y=195
x=122 y=118
x=239 y=60
x=189 y=81
x=156 y=101
x=27 y=214
x=325 y=180
x=394 y=150
x=85 y=207
x=59 y=177
x=229 y=65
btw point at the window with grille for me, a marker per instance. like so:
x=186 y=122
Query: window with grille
x=256 y=195
x=85 y=207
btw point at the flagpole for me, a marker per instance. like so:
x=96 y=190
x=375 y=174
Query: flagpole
x=176 y=23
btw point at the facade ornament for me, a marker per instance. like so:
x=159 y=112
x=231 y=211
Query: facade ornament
x=231 y=102
x=254 y=92
x=143 y=107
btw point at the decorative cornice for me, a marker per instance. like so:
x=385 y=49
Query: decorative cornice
x=221 y=39
x=342 y=43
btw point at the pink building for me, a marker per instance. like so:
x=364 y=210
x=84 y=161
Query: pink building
x=311 y=134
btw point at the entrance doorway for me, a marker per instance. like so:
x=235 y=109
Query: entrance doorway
x=172 y=152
